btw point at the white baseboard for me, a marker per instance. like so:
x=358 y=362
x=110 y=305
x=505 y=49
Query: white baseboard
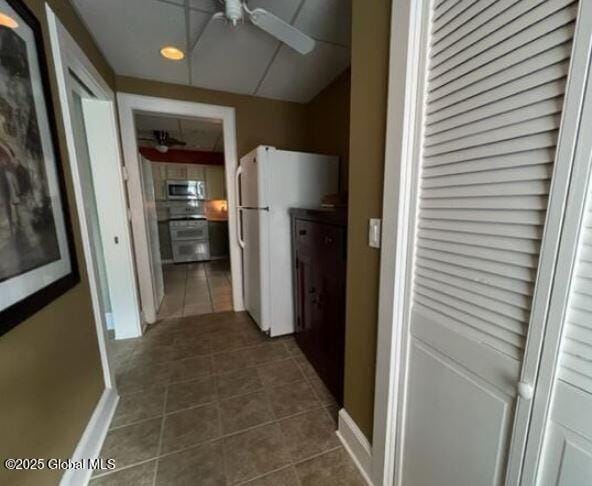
x=355 y=444
x=89 y=446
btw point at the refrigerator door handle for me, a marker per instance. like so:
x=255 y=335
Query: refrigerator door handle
x=239 y=236
x=254 y=208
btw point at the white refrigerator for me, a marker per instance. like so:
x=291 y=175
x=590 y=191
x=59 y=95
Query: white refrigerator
x=269 y=183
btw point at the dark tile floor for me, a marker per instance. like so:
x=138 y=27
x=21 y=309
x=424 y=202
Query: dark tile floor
x=209 y=400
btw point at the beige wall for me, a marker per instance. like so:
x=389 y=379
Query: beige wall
x=258 y=120
x=50 y=371
x=369 y=76
x=328 y=123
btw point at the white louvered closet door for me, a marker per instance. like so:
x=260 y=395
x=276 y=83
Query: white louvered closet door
x=567 y=456
x=493 y=97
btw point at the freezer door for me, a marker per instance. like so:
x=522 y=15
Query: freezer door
x=255 y=235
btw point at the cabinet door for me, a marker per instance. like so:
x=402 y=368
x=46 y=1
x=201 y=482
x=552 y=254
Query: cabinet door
x=330 y=335
x=164 y=236
x=159 y=171
x=195 y=172
x=176 y=171
x=305 y=319
x=215 y=184
x=160 y=190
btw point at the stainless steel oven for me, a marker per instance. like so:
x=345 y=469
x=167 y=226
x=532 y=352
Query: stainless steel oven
x=190 y=240
x=186 y=190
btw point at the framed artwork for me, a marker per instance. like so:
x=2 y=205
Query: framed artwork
x=37 y=259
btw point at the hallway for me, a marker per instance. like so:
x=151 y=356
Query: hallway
x=210 y=400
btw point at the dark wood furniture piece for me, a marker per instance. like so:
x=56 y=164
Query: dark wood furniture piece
x=319 y=258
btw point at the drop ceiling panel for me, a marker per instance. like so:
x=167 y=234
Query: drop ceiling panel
x=131 y=34
x=299 y=78
x=149 y=122
x=203 y=5
x=231 y=58
x=328 y=20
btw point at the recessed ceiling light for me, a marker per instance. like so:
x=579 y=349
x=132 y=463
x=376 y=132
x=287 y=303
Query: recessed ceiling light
x=8 y=21
x=172 y=53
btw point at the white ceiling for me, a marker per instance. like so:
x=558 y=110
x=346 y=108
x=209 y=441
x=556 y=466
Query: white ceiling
x=240 y=59
x=199 y=134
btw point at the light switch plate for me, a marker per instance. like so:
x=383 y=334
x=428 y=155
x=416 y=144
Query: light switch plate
x=374 y=232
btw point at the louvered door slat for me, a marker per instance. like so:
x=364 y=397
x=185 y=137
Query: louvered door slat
x=529 y=173
x=494 y=336
x=478 y=44
x=512 y=257
x=507 y=61
x=522 y=84
x=496 y=268
x=505 y=298
x=529 y=142
x=488 y=307
x=488 y=202
x=449 y=17
x=579 y=333
x=485 y=229
x=547 y=91
x=489 y=279
x=494 y=100
x=544 y=124
x=443 y=6
x=526 y=246
x=518 y=159
x=527 y=113
x=484 y=215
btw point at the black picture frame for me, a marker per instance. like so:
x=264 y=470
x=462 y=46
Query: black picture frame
x=11 y=316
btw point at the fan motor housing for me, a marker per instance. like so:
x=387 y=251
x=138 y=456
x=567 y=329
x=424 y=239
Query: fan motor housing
x=234 y=11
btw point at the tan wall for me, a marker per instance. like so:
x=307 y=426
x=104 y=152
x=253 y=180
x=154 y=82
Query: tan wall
x=328 y=123
x=258 y=120
x=369 y=76
x=50 y=371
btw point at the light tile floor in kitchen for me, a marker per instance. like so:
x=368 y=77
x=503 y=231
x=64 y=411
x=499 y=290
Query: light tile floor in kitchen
x=196 y=288
x=210 y=400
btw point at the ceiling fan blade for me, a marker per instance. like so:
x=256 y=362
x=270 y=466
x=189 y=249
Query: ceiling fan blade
x=281 y=30
x=174 y=141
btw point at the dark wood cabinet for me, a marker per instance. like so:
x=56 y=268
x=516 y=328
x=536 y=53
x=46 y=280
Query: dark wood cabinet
x=319 y=262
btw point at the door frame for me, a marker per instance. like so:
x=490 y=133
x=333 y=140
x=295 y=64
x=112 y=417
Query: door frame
x=409 y=20
x=130 y=104
x=69 y=57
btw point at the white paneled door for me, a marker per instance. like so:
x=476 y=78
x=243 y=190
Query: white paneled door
x=494 y=83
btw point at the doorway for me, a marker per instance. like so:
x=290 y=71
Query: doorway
x=181 y=161
x=186 y=213
x=93 y=148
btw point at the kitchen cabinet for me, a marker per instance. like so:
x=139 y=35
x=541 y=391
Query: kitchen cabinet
x=195 y=172
x=218 y=231
x=319 y=269
x=176 y=171
x=164 y=237
x=215 y=182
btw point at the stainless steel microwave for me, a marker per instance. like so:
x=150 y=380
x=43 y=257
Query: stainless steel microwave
x=186 y=190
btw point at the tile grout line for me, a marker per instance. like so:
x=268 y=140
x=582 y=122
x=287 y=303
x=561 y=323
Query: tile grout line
x=160 y=455
x=160 y=438
x=214 y=374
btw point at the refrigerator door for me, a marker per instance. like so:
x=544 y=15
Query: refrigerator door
x=255 y=236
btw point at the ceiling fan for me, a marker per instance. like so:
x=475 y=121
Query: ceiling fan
x=236 y=11
x=163 y=140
